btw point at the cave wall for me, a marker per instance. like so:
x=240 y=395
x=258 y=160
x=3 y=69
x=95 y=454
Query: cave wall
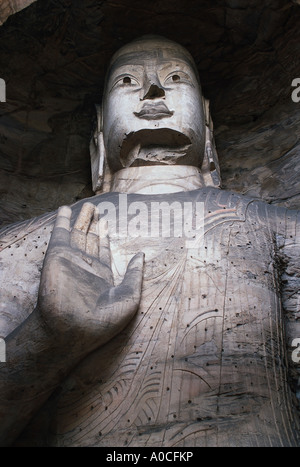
x=53 y=57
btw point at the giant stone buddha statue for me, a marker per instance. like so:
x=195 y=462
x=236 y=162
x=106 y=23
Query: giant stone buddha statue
x=121 y=332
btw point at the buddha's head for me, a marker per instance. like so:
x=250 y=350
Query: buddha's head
x=152 y=110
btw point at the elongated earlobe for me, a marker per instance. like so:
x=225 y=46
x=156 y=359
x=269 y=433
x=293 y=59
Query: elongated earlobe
x=98 y=156
x=210 y=167
x=97 y=153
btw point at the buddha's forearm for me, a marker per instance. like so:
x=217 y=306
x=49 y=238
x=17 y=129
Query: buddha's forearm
x=35 y=364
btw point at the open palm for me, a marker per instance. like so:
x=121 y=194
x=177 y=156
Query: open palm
x=77 y=297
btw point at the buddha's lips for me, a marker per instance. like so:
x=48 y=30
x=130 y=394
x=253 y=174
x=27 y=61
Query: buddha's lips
x=153 y=112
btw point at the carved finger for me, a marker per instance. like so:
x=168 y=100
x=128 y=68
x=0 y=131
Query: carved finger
x=80 y=229
x=61 y=230
x=134 y=273
x=104 y=245
x=92 y=239
x=117 y=306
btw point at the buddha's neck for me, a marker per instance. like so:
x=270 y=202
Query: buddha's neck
x=156 y=179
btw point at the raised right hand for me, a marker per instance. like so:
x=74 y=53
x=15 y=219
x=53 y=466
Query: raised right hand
x=77 y=298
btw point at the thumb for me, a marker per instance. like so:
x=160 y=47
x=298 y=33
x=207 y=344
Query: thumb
x=134 y=273
x=128 y=293
x=118 y=305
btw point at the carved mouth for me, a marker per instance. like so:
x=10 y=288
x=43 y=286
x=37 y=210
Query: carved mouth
x=154 y=112
x=154 y=147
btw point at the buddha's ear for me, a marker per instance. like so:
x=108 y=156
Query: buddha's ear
x=98 y=154
x=210 y=167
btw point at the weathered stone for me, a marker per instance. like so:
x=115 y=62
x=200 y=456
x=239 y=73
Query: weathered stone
x=190 y=347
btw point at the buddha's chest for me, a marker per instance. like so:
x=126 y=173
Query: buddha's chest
x=202 y=330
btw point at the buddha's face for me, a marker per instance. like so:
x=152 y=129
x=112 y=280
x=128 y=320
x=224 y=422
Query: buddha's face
x=152 y=107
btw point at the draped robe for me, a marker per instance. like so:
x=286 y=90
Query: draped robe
x=205 y=361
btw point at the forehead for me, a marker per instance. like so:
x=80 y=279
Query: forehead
x=140 y=54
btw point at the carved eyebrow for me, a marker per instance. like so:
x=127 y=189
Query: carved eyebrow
x=125 y=70
x=138 y=58
x=178 y=70
x=123 y=61
x=118 y=72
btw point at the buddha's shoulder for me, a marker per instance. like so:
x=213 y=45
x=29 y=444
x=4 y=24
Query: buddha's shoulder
x=40 y=226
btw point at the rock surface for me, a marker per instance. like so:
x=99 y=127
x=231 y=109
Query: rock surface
x=53 y=57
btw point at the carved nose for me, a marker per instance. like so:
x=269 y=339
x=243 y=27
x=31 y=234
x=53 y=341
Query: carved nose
x=154 y=92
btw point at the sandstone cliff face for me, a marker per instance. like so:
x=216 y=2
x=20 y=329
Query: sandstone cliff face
x=53 y=57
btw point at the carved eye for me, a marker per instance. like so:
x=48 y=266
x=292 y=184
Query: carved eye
x=125 y=81
x=178 y=77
